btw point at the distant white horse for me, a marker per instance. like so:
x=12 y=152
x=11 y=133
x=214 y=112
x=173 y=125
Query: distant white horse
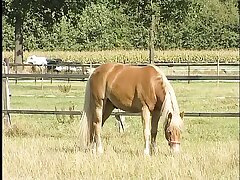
x=37 y=60
x=40 y=61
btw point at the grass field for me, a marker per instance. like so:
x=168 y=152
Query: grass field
x=137 y=56
x=41 y=147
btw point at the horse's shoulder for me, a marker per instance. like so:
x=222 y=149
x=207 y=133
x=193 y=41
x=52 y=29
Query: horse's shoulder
x=104 y=70
x=109 y=65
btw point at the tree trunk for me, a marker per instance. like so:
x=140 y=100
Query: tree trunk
x=151 y=41
x=18 y=54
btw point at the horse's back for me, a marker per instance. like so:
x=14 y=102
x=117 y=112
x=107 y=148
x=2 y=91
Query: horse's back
x=127 y=87
x=122 y=73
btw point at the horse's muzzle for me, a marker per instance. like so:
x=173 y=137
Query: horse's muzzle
x=174 y=146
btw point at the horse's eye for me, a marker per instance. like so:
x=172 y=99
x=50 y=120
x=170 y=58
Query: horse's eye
x=169 y=132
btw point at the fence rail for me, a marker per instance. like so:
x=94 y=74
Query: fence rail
x=142 y=64
x=122 y=113
x=85 y=76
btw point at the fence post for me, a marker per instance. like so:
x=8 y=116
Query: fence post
x=151 y=41
x=42 y=71
x=91 y=66
x=5 y=95
x=51 y=73
x=218 y=69
x=189 y=69
x=34 y=67
x=16 y=71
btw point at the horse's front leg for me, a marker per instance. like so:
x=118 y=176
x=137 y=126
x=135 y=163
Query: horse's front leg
x=154 y=129
x=146 y=129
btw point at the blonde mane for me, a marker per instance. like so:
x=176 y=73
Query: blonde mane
x=170 y=102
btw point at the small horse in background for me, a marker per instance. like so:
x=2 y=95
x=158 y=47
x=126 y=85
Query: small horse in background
x=39 y=64
x=37 y=60
x=144 y=90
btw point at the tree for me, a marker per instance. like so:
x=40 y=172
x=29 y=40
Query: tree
x=46 y=11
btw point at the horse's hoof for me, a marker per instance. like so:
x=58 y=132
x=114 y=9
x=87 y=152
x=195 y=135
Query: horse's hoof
x=100 y=150
x=146 y=153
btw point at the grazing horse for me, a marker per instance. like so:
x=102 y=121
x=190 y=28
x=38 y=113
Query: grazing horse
x=144 y=90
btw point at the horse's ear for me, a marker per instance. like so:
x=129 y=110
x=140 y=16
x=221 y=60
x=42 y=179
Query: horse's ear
x=182 y=114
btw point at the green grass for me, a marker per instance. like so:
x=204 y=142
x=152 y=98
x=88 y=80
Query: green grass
x=39 y=147
x=196 y=96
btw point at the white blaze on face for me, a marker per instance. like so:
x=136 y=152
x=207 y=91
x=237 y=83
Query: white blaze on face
x=175 y=148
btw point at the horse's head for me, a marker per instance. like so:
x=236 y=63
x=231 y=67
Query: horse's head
x=173 y=130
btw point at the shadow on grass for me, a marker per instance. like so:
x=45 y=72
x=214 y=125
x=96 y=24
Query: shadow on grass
x=23 y=130
x=15 y=131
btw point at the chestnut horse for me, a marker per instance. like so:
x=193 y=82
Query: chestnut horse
x=144 y=90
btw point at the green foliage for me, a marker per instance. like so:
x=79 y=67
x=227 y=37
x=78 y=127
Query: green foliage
x=8 y=36
x=101 y=25
x=100 y=28
x=62 y=119
x=207 y=25
x=64 y=88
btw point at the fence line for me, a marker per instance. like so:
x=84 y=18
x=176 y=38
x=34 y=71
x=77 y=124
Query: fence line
x=118 y=112
x=142 y=64
x=7 y=111
x=73 y=96
x=83 y=77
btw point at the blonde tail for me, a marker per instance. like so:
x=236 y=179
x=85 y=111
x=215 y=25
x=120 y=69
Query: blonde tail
x=86 y=127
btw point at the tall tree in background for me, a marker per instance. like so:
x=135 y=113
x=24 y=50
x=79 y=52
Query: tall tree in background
x=46 y=11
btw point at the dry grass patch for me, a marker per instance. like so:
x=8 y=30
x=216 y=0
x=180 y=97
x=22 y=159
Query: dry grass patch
x=206 y=154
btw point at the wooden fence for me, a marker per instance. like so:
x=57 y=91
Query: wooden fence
x=5 y=95
x=119 y=112
x=82 y=77
x=142 y=64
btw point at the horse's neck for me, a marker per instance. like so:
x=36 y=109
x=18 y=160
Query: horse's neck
x=174 y=101
x=170 y=102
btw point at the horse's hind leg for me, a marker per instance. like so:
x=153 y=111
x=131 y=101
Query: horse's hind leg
x=97 y=125
x=154 y=129
x=146 y=129
x=102 y=112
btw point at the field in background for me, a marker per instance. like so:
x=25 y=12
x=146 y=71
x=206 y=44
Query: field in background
x=196 y=96
x=137 y=56
x=42 y=147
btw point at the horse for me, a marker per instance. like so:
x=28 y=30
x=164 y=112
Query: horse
x=135 y=89
x=37 y=60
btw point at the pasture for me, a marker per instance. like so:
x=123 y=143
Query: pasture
x=46 y=147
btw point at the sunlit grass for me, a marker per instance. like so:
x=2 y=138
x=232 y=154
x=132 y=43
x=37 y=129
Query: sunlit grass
x=41 y=147
x=192 y=97
x=49 y=150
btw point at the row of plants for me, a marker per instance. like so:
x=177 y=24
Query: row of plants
x=136 y=56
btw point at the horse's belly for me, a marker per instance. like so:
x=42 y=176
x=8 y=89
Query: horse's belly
x=126 y=103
